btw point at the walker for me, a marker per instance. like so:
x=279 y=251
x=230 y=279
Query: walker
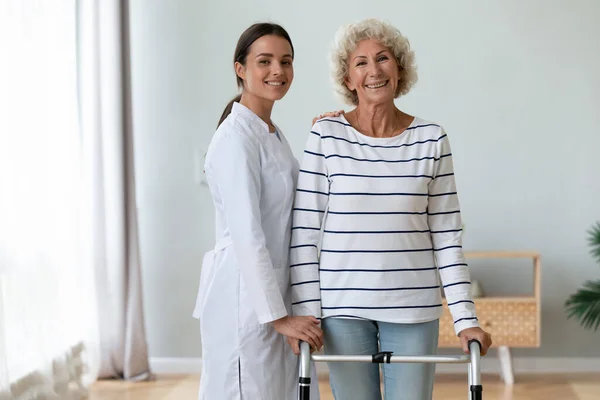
x=474 y=373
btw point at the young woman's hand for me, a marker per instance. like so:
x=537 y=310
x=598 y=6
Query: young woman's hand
x=295 y=345
x=305 y=328
x=328 y=114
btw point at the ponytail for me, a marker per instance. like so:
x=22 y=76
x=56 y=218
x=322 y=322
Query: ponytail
x=227 y=110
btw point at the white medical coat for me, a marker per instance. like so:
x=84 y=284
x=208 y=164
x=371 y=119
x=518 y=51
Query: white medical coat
x=252 y=176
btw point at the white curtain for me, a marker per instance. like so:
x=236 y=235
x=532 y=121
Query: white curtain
x=106 y=122
x=70 y=274
x=48 y=318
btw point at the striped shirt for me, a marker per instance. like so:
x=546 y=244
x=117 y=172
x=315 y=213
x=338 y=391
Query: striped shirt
x=377 y=231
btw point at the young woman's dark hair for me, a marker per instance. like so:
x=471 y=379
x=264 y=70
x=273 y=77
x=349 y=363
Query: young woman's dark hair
x=250 y=35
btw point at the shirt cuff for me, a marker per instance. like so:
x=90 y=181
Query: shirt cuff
x=465 y=324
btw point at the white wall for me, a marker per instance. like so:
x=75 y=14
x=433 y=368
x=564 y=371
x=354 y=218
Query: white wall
x=515 y=84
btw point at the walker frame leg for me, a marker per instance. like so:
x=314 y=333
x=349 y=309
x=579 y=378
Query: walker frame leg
x=304 y=379
x=475 y=387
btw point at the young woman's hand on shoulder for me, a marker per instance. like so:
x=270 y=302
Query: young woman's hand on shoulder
x=328 y=114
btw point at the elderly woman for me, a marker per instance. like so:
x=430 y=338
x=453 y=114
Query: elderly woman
x=381 y=184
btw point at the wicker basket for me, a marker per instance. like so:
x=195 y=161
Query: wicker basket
x=512 y=321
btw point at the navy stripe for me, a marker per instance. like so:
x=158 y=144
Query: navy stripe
x=302 y=245
x=306 y=301
x=305 y=227
x=377 y=194
x=383 y=176
x=374 y=146
x=377 y=213
x=332 y=120
x=448 y=247
x=379 y=308
x=311 y=191
x=442 y=175
x=424 y=126
x=300 y=265
x=375 y=232
x=382 y=289
x=314 y=154
x=461 y=301
x=465 y=319
x=377 y=161
x=304 y=283
x=373 y=251
x=442 y=194
x=313 y=173
x=307 y=209
x=378 y=270
x=379 y=146
x=448 y=231
x=453 y=265
x=444 y=212
x=457 y=283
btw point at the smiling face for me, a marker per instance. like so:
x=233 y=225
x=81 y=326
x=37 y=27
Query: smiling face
x=373 y=73
x=268 y=71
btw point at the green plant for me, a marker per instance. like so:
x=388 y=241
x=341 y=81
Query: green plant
x=584 y=305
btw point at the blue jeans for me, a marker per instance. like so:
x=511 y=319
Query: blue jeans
x=361 y=381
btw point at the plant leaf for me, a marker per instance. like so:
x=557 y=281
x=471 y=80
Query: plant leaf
x=594 y=240
x=584 y=305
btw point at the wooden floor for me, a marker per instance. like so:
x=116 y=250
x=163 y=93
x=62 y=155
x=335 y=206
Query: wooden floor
x=447 y=387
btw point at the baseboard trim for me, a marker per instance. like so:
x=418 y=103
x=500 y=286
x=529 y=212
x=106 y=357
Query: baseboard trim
x=174 y=365
x=530 y=365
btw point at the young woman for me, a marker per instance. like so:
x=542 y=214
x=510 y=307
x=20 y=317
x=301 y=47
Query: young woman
x=244 y=302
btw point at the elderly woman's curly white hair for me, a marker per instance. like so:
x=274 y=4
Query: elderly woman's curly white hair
x=346 y=40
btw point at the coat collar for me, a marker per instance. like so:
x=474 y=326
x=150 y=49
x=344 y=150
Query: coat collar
x=247 y=114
